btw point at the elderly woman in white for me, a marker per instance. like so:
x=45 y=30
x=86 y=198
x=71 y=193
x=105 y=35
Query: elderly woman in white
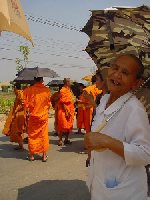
x=122 y=148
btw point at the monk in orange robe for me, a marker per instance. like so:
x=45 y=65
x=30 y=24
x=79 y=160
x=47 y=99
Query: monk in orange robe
x=85 y=106
x=54 y=103
x=37 y=103
x=65 y=112
x=26 y=100
x=80 y=110
x=15 y=125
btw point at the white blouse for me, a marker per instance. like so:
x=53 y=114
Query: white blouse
x=110 y=177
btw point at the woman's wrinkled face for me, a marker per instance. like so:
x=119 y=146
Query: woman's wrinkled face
x=99 y=82
x=122 y=75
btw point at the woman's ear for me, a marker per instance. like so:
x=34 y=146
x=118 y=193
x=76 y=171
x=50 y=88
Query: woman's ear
x=138 y=83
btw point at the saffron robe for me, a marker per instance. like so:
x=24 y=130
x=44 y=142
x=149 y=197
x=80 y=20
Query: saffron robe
x=54 y=102
x=85 y=109
x=15 y=124
x=37 y=103
x=65 y=123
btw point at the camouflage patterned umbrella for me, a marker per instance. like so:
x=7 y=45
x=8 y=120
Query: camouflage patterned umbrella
x=119 y=30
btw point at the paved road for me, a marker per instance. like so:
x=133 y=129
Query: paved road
x=61 y=178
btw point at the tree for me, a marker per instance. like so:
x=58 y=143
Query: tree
x=25 y=50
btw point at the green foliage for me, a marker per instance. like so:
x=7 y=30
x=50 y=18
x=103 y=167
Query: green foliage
x=25 y=50
x=6 y=102
x=5 y=88
x=19 y=65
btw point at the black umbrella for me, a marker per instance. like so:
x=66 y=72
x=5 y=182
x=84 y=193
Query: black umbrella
x=30 y=73
x=24 y=79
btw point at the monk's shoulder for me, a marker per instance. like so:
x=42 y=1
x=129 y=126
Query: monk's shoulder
x=46 y=89
x=63 y=90
x=88 y=88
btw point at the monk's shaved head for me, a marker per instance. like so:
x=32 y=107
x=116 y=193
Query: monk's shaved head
x=66 y=80
x=38 y=79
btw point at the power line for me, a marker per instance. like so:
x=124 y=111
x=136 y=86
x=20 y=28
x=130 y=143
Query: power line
x=51 y=22
x=53 y=41
x=52 y=65
x=49 y=46
x=52 y=46
x=52 y=54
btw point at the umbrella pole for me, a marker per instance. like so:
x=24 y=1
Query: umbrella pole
x=110 y=36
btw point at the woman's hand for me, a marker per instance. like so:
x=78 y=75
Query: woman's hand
x=99 y=141
x=94 y=140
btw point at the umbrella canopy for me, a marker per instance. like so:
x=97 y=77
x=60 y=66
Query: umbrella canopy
x=22 y=79
x=87 y=78
x=12 y=18
x=30 y=73
x=55 y=83
x=119 y=30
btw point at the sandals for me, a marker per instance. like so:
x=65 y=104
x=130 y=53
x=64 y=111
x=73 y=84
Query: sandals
x=25 y=140
x=84 y=151
x=60 y=143
x=30 y=159
x=18 y=148
x=87 y=162
x=67 y=142
x=45 y=160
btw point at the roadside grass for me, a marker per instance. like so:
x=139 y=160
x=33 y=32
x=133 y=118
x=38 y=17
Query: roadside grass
x=6 y=101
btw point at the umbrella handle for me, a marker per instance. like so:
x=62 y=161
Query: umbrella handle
x=100 y=127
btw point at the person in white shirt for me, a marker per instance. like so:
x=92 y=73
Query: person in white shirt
x=121 y=150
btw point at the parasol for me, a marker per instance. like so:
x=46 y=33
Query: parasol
x=119 y=30
x=12 y=18
x=87 y=78
x=28 y=74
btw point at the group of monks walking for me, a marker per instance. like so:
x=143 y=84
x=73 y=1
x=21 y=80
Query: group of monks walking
x=30 y=112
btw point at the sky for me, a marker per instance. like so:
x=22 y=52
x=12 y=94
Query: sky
x=57 y=48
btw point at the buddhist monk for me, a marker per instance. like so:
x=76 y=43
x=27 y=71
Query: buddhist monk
x=65 y=112
x=37 y=103
x=15 y=125
x=86 y=118
x=102 y=86
x=54 y=102
x=80 y=110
